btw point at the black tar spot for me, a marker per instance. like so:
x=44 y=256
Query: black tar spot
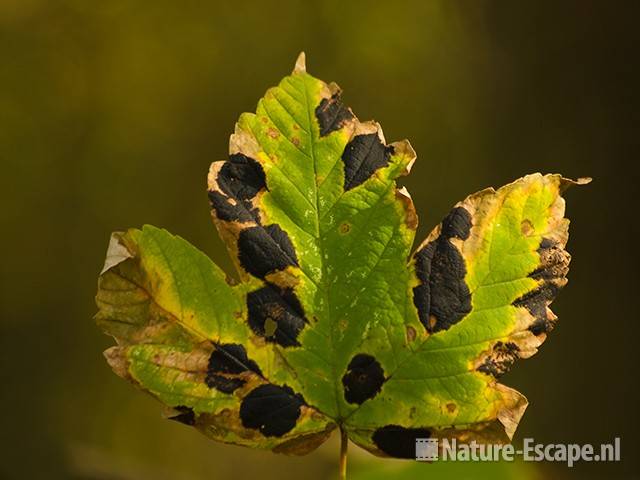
x=553 y=268
x=536 y=302
x=443 y=298
x=224 y=384
x=457 y=224
x=363 y=380
x=240 y=178
x=227 y=360
x=362 y=157
x=265 y=250
x=501 y=359
x=546 y=243
x=226 y=210
x=231 y=358
x=332 y=114
x=554 y=261
x=397 y=441
x=282 y=307
x=186 y=415
x=271 y=409
x=540 y=326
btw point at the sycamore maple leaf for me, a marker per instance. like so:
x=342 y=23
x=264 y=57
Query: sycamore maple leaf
x=334 y=323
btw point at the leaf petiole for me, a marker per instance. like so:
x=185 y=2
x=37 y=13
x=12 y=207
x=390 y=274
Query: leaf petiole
x=344 y=444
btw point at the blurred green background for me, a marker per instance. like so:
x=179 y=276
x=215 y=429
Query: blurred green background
x=111 y=111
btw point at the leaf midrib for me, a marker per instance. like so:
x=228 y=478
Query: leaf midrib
x=320 y=244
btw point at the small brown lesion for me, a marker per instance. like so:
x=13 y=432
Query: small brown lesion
x=451 y=407
x=344 y=228
x=273 y=133
x=295 y=141
x=411 y=334
x=527 y=228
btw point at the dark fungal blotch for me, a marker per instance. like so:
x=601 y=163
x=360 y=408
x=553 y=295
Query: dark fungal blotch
x=281 y=306
x=536 y=302
x=397 y=441
x=443 y=297
x=231 y=358
x=362 y=156
x=240 y=179
x=226 y=362
x=542 y=326
x=185 y=415
x=502 y=357
x=551 y=272
x=363 y=379
x=224 y=384
x=457 y=224
x=230 y=211
x=554 y=261
x=265 y=250
x=332 y=114
x=546 y=243
x=271 y=409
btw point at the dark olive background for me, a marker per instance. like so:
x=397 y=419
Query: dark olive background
x=110 y=113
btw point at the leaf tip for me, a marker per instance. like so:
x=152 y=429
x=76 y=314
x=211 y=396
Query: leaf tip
x=301 y=64
x=513 y=410
x=584 y=180
x=567 y=182
x=116 y=252
x=116 y=359
x=405 y=149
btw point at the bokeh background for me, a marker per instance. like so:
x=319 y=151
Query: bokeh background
x=111 y=111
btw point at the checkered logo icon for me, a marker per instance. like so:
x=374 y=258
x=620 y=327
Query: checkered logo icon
x=426 y=449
